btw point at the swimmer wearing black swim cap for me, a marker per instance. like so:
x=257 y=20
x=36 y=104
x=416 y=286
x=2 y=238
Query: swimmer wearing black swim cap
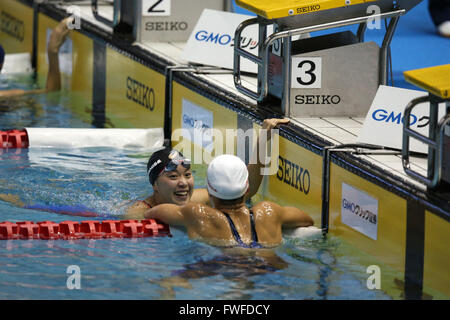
x=166 y=159
x=171 y=177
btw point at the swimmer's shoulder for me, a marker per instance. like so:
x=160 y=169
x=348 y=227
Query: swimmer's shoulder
x=266 y=205
x=141 y=204
x=197 y=211
x=200 y=195
x=137 y=210
x=193 y=208
x=267 y=208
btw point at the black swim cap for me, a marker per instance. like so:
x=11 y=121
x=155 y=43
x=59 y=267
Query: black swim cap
x=2 y=54
x=160 y=161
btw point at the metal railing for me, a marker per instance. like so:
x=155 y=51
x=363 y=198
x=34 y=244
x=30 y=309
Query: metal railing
x=265 y=42
x=116 y=16
x=435 y=141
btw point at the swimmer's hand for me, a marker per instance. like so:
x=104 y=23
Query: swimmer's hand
x=269 y=124
x=59 y=35
x=255 y=173
x=305 y=233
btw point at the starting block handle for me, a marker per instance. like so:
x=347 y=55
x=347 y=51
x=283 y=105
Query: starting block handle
x=434 y=141
x=265 y=42
x=238 y=53
x=228 y=5
x=109 y=23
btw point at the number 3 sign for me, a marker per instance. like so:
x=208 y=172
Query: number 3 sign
x=306 y=72
x=156 y=7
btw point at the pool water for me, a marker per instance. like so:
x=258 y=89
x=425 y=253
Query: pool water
x=107 y=180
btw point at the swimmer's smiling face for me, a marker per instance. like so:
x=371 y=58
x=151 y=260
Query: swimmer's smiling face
x=174 y=186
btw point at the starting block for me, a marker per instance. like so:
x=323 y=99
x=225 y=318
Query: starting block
x=436 y=81
x=333 y=75
x=158 y=20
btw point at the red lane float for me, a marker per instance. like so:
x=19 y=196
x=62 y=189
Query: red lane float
x=14 y=139
x=70 y=230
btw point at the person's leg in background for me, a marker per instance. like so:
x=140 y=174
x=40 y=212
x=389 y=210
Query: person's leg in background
x=440 y=14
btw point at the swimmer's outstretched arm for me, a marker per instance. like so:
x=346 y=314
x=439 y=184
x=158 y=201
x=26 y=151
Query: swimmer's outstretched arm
x=57 y=38
x=167 y=213
x=291 y=217
x=254 y=169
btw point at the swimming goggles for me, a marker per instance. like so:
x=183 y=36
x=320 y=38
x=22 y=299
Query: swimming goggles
x=174 y=163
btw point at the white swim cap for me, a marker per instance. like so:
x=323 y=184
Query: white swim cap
x=227 y=177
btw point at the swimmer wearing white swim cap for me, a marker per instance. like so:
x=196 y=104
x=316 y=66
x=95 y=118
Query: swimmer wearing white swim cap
x=228 y=222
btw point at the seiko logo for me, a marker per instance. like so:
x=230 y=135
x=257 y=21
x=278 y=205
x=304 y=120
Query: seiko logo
x=166 y=26
x=317 y=99
x=140 y=93
x=359 y=211
x=12 y=26
x=308 y=9
x=293 y=175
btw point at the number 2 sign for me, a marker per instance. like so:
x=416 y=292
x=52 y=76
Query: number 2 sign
x=306 y=72
x=156 y=7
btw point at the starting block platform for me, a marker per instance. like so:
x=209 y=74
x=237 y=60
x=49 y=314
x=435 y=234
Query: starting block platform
x=145 y=83
x=435 y=80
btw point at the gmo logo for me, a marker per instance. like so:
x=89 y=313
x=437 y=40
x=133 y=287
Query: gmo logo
x=359 y=211
x=196 y=124
x=384 y=115
x=224 y=39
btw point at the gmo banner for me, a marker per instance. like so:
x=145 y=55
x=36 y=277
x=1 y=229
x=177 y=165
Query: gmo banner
x=384 y=122
x=359 y=211
x=212 y=41
x=199 y=124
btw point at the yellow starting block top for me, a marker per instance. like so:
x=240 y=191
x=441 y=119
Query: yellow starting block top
x=435 y=80
x=275 y=9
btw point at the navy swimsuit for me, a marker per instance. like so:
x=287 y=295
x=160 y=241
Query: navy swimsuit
x=237 y=237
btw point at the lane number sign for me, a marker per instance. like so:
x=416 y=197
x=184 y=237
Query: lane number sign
x=156 y=7
x=306 y=72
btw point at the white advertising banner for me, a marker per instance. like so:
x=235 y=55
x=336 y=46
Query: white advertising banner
x=95 y=137
x=198 y=123
x=384 y=121
x=359 y=211
x=212 y=40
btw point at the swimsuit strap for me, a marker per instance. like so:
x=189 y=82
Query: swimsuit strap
x=236 y=235
x=254 y=243
x=148 y=204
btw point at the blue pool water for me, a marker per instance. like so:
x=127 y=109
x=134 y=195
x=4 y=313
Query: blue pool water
x=107 y=180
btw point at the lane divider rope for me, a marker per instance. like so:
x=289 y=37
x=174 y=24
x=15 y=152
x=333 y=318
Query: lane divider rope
x=14 y=139
x=90 y=229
